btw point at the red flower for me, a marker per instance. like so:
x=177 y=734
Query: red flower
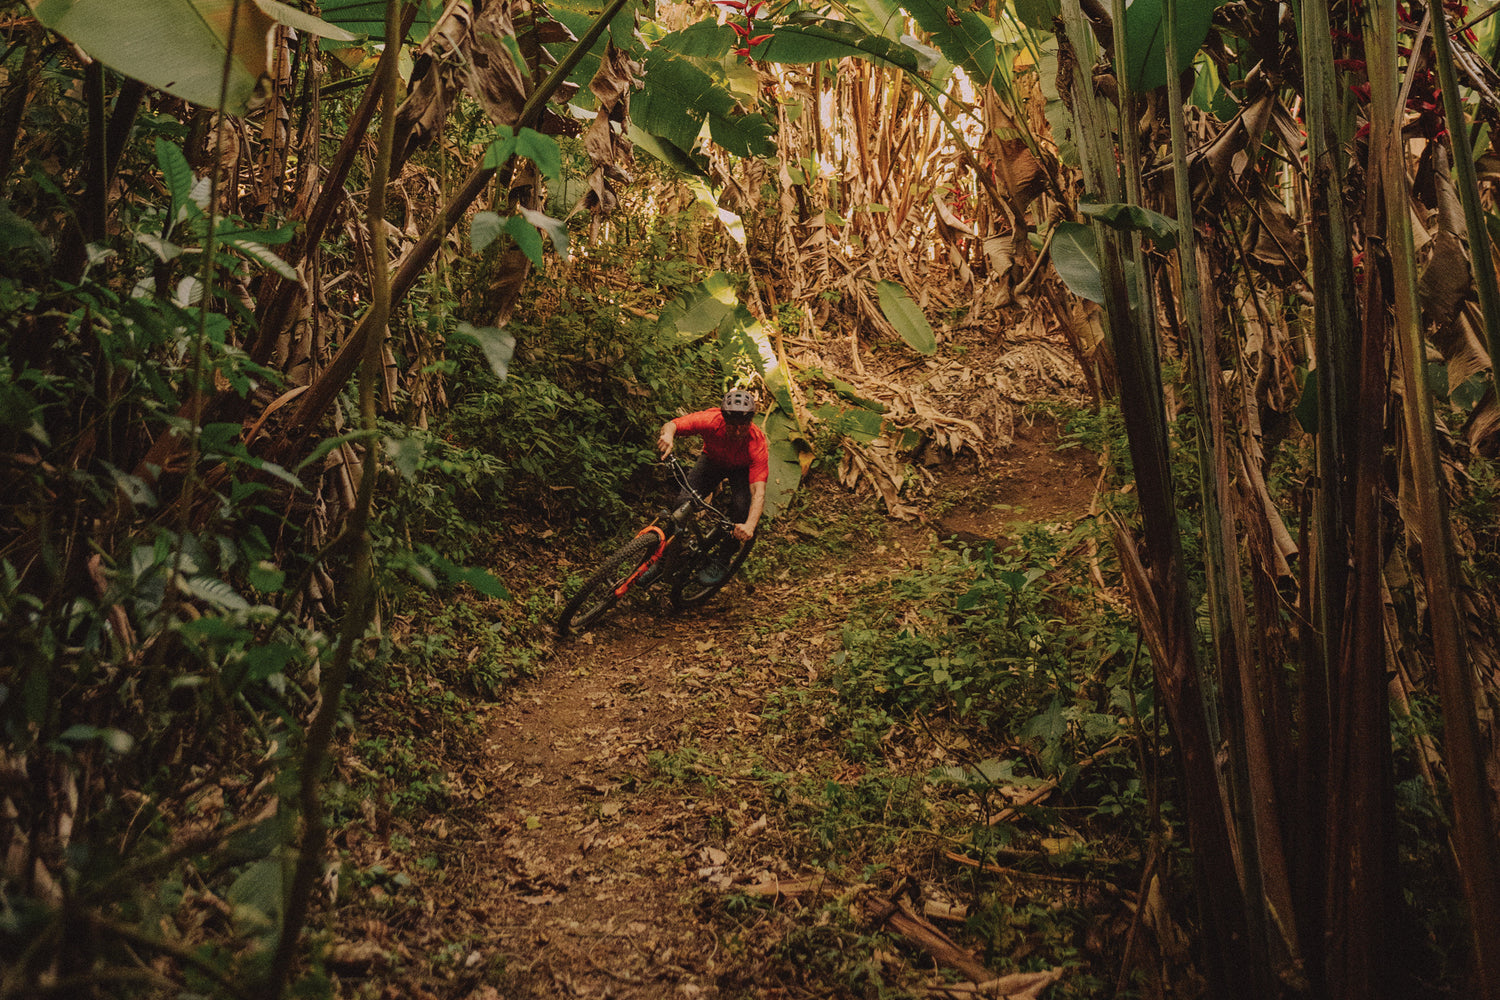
x=757 y=40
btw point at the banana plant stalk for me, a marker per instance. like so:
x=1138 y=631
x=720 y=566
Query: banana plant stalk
x=1468 y=183
x=1473 y=820
x=1251 y=787
x=1162 y=595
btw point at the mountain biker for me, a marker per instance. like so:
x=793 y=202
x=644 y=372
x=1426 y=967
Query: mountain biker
x=733 y=449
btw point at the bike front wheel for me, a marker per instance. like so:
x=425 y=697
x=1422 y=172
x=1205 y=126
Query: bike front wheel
x=689 y=588
x=601 y=590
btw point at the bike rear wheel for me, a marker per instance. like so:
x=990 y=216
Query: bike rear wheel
x=688 y=589
x=600 y=591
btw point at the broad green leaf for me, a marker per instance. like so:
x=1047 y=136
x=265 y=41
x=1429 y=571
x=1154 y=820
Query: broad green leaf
x=189 y=292
x=181 y=46
x=678 y=96
x=556 y=229
x=882 y=17
x=732 y=223
x=1467 y=394
x=263 y=661
x=1161 y=229
x=179 y=177
x=406 y=454
x=265 y=577
x=17 y=233
x=782 y=435
x=165 y=250
x=743 y=135
x=526 y=237
x=706 y=39
x=1076 y=258
x=216 y=592
x=667 y=152
x=499 y=151
x=480 y=579
x=257 y=899
x=965 y=37
x=906 y=316
x=821 y=40
x=1051 y=727
x=483 y=230
x=327 y=445
x=1146 y=47
x=856 y=422
x=1037 y=14
x=700 y=308
x=541 y=150
x=367 y=17
x=300 y=20
x=497 y=345
x=578 y=16
x=263 y=254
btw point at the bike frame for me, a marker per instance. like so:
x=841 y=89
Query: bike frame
x=680 y=519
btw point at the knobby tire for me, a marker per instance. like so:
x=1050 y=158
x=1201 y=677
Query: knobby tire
x=688 y=590
x=597 y=595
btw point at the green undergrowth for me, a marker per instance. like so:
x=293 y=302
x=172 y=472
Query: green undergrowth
x=945 y=693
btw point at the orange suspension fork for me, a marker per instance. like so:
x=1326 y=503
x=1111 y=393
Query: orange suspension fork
x=661 y=547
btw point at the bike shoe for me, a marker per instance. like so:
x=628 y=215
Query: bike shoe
x=716 y=570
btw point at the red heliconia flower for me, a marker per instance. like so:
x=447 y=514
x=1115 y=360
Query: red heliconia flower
x=757 y=40
x=736 y=4
x=740 y=29
x=742 y=52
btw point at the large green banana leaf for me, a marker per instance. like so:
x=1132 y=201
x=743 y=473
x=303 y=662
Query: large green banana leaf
x=182 y=46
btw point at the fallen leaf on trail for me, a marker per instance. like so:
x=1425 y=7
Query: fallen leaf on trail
x=357 y=956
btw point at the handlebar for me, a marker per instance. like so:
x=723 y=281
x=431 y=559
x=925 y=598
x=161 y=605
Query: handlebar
x=678 y=471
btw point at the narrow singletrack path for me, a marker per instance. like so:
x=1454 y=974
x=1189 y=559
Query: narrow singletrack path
x=617 y=798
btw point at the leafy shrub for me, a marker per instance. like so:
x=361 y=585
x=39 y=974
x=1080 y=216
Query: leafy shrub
x=988 y=641
x=575 y=419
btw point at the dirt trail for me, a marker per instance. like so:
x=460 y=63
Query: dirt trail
x=618 y=796
x=621 y=782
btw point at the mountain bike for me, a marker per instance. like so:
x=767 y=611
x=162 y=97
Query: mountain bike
x=672 y=550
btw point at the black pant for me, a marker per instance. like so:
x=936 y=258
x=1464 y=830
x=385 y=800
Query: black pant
x=705 y=475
